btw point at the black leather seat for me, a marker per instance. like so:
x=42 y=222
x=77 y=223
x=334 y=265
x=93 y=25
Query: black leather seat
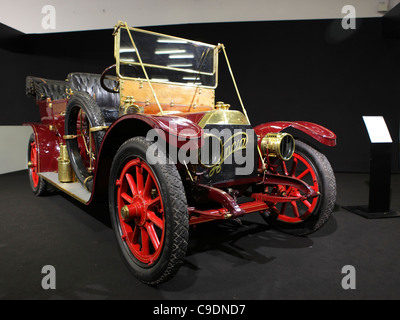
x=41 y=89
x=90 y=83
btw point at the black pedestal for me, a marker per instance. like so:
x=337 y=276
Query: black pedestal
x=364 y=212
x=379 y=184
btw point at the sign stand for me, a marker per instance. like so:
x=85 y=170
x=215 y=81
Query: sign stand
x=380 y=172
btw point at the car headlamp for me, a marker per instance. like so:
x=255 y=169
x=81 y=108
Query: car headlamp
x=278 y=144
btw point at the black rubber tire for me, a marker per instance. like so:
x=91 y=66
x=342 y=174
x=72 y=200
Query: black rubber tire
x=43 y=188
x=327 y=187
x=82 y=101
x=175 y=213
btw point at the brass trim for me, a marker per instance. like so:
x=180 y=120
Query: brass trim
x=86 y=180
x=264 y=167
x=70 y=136
x=69 y=91
x=129 y=106
x=65 y=172
x=64 y=152
x=191 y=85
x=233 y=80
x=223 y=117
x=124 y=24
x=168 y=68
x=188 y=171
x=125 y=212
x=222 y=106
x=171 y=112
x=98 y=128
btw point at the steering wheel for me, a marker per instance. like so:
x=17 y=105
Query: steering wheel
x=105 y=76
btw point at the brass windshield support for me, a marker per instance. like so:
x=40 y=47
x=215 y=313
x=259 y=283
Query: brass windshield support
x=117 y=27
x=220 y=45
x=144 y=69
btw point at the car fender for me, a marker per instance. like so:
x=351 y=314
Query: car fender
x=48 y=147
x=319 y=133
x=177 y=131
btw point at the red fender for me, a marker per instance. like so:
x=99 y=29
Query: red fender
x=48 y=147
x=176 y=128
x=316 y=131
x=177 y=131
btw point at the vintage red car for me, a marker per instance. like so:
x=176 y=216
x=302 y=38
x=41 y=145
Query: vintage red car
x=148 y=136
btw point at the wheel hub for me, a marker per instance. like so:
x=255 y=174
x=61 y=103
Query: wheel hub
x=136 y=211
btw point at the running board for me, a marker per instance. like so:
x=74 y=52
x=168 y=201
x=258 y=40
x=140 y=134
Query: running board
x=73 y=189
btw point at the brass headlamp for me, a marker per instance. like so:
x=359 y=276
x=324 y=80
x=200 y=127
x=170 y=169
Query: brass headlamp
x=278 y=144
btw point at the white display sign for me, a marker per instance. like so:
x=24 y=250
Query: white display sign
x=377 y=130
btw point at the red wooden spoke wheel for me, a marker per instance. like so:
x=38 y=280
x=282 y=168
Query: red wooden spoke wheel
x=148 y=211
x=296 y=211
x=38 y=185
x=303 y=216
x=33 y=164
x=141 y=211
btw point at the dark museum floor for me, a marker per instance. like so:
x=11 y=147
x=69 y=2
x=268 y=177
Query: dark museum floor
x=224 y=261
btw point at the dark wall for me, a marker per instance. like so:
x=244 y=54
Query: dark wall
x=286 y=70
x=50 y=56
x=391 y=23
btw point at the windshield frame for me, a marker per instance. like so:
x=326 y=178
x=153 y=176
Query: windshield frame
x=214 y=52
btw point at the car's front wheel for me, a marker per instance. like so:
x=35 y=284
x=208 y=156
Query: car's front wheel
x=148 y=212
x=304 y=216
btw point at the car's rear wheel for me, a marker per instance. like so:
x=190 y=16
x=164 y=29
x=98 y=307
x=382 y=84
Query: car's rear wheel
x=148 y=212
x=38 y=185
x=303 y=217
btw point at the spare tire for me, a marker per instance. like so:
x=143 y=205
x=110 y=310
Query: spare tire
x=83 y=113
